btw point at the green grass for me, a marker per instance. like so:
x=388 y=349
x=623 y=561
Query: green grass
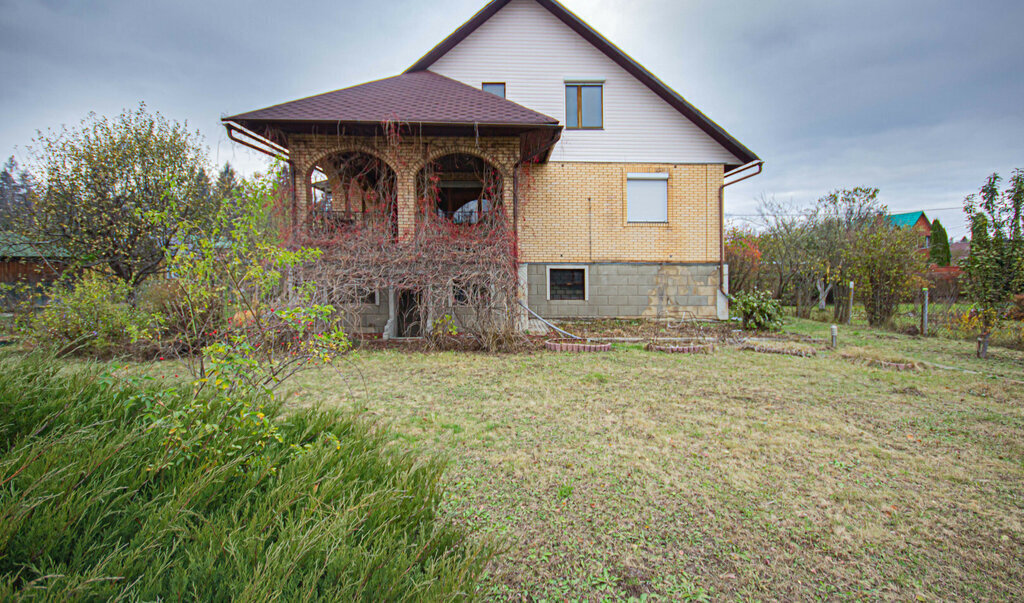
x=94 y=506
x=737 y=474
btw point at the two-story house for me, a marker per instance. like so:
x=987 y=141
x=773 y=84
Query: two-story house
x=623 y=217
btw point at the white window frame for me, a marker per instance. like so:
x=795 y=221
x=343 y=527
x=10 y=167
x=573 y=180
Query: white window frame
x=648 y=176
x=376 y=299
x=586 y=282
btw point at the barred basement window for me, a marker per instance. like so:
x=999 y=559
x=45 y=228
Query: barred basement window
x=567 y=284
x=468 y=295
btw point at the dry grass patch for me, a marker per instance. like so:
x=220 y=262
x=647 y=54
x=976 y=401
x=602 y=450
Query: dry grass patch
x=881 y=358
x=786 y=348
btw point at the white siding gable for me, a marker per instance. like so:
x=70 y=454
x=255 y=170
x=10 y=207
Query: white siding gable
x=534 y=53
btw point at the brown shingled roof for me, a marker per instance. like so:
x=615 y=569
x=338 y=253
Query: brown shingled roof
x=418 y=97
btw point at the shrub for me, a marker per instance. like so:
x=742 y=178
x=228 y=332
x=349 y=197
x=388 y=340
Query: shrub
x=96 y=504
x=757 y=309
x=91 y=317
x=167 y=299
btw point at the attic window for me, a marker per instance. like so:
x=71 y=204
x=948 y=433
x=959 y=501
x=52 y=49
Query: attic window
x=495 y=88
x=584 y=106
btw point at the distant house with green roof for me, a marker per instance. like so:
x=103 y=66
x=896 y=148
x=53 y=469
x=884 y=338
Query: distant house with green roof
x=24 y=260
x=914 y=219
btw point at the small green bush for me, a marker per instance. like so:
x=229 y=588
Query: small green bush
x=99 y=503
x=757 y=310
x=91 y=317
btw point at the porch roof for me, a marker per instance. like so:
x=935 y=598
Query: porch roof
x=423 y=97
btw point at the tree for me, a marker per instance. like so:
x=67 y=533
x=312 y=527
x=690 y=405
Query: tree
x=783 y=244
x=227 y=184
x=994 y=271
x=15 y=191
x=114 y=192
x=839 y=221
x=939 y=252
x=743 y=255
x=886 y=265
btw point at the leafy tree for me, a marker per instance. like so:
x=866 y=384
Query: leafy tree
x=743 y=254
x=114 y=192
x=994 y=270
x=887 y=266
x=939 y=252
x=839 y=221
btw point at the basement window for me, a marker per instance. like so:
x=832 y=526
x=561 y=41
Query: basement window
x=567 y=284
x=647 y=197
x=495 y=88
x=469 y=295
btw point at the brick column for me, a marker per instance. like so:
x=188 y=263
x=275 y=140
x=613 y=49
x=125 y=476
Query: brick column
x=406 y=186
x=302 y=192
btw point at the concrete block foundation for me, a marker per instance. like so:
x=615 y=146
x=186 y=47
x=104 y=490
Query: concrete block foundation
x=631 y=290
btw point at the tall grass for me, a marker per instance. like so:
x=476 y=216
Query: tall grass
x=93 y=505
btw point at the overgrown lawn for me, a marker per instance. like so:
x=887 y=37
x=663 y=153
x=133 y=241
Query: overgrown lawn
x=611 y=476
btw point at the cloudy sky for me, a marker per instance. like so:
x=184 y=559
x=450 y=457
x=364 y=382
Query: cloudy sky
x=920 y=98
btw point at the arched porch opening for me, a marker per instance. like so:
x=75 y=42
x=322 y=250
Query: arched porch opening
x=459 y=189
x=351 y=189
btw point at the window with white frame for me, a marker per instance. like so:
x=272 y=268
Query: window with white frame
x=567 y=283
x=647 y=197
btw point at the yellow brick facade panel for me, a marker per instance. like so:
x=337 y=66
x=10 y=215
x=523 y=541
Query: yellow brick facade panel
x=576 y=212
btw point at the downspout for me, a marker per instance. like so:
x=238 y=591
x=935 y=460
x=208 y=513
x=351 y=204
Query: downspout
x=759 y=164
x=515 y=212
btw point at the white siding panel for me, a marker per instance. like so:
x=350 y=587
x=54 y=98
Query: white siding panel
x=534 y=53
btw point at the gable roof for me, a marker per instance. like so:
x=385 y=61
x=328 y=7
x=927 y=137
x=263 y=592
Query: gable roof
x=905 y=219
x=422 y=97
x=612 y=51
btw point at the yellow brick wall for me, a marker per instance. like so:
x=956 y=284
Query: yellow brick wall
x=576 y=212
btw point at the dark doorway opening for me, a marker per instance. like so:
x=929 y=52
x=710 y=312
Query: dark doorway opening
x=409 y=319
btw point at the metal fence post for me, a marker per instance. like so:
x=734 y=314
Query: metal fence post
x=924 y=312
x=849 y=317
